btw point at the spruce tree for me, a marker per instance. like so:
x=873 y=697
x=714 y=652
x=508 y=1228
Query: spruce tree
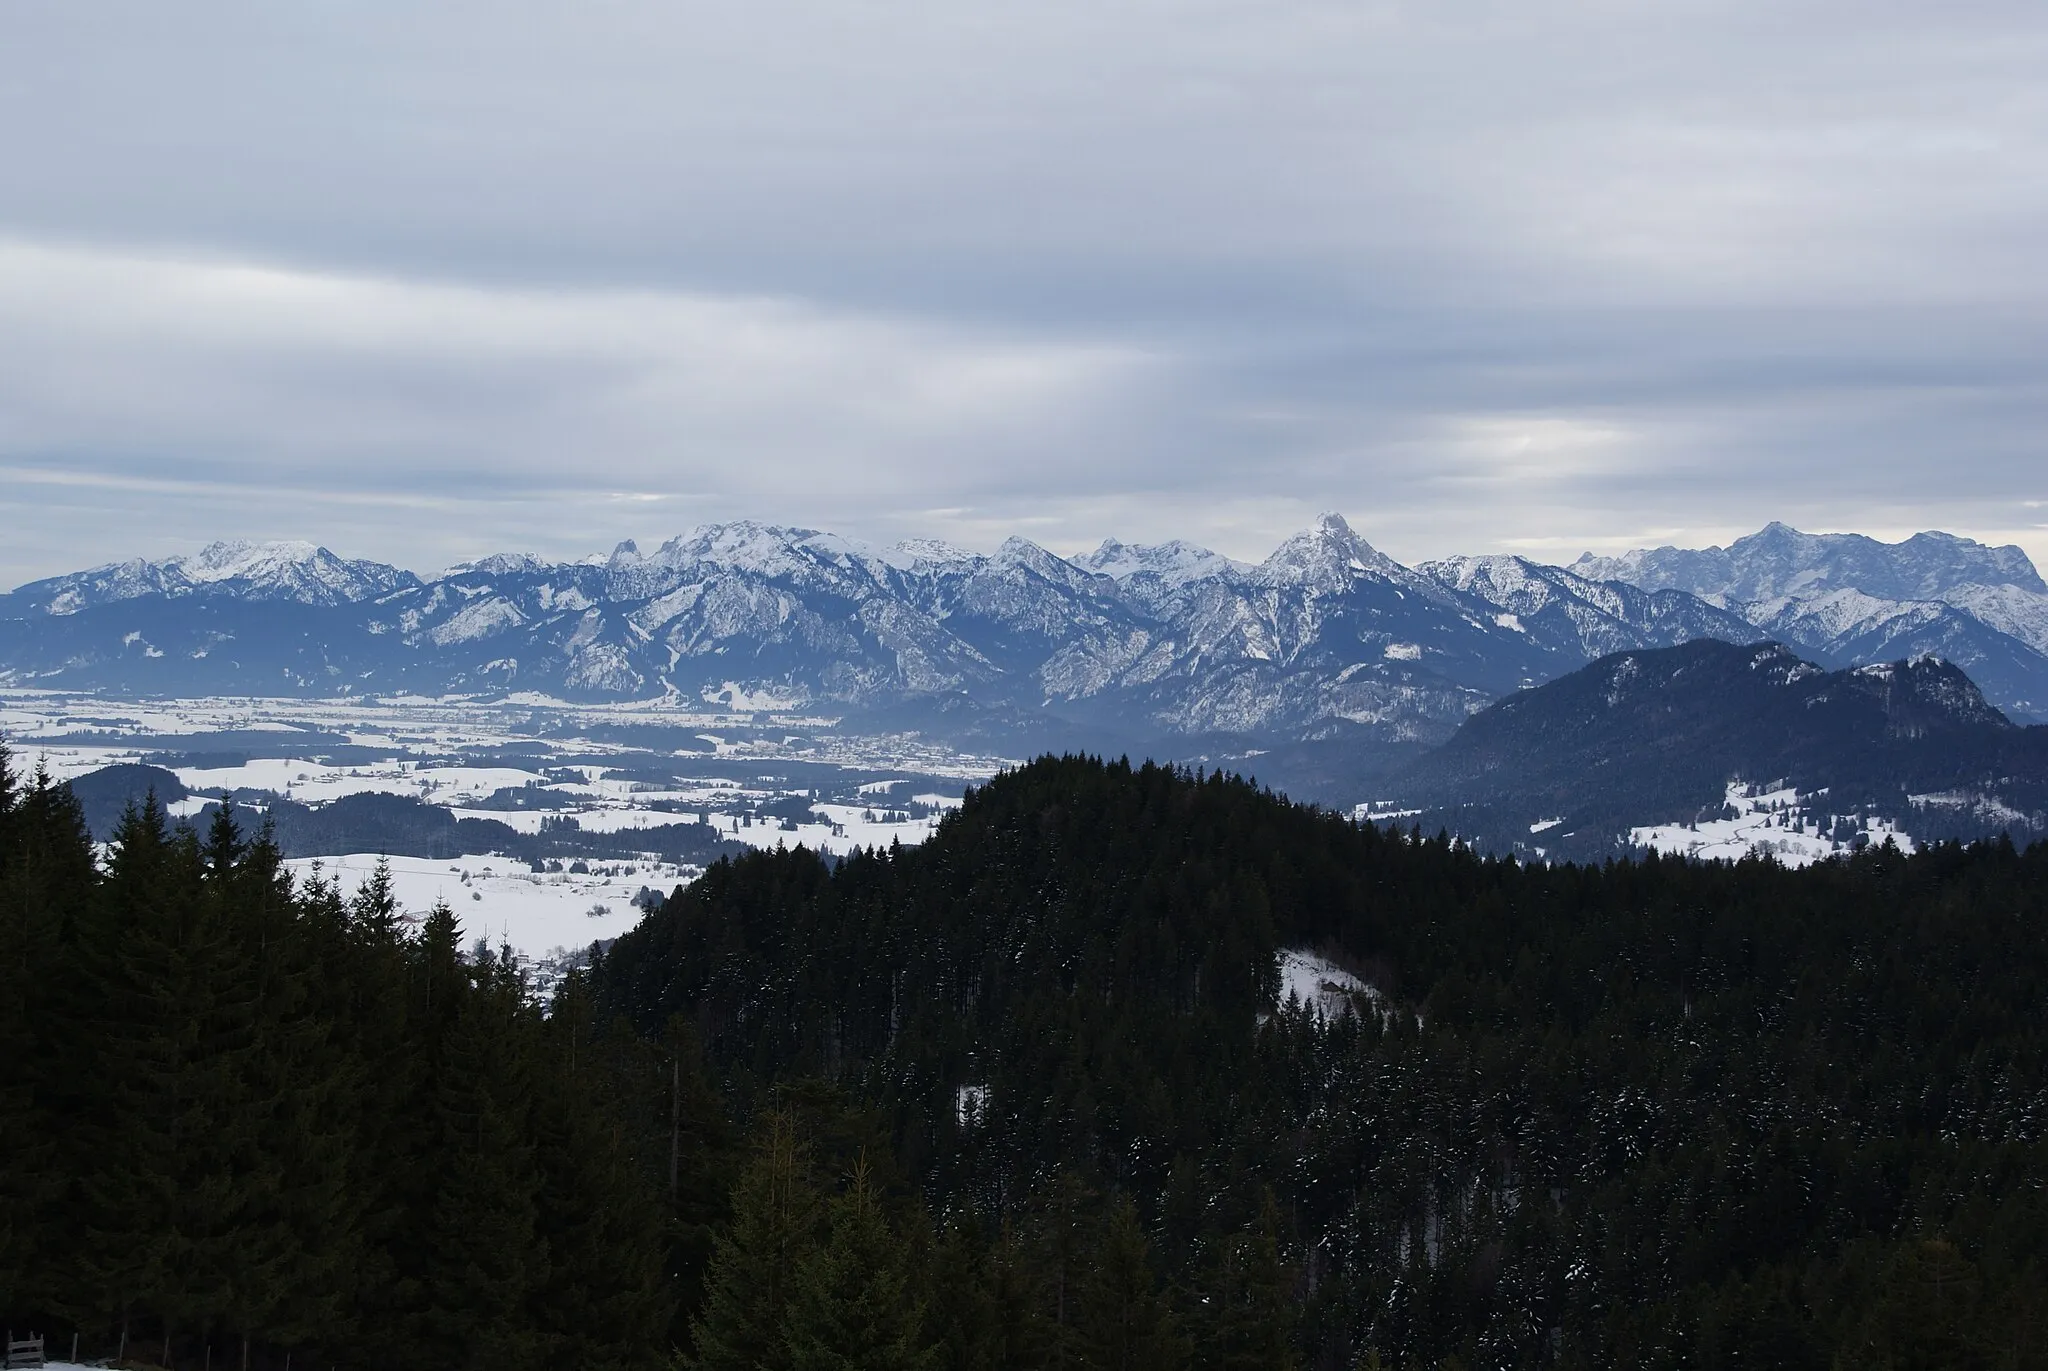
x=298 y=1244
x=853 y=1305
x=1127 y=1323
x=166 y=1096
x=776 y=1211
x=605 y=1301
x=484 y=1260
x=48 y=1030
x=1247 y=1322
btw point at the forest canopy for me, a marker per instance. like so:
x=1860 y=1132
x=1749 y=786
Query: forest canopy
x=1028 y=1095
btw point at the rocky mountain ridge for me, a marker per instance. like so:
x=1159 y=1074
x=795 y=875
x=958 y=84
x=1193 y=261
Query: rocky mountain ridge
x=1327 y=639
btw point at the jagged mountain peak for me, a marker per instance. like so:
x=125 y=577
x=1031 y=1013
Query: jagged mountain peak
x=239 y=556
x=1326 y=556
x=1022 y=552
x=1495 y=575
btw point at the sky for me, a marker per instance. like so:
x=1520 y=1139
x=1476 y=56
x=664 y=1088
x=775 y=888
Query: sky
x=427 y=281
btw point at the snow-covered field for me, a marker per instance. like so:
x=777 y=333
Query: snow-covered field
x=428 y=750
x=1796 y=829
x=34 y=721
x=503 y=902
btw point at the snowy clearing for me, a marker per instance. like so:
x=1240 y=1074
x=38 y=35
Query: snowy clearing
x=1322 y=985
x=501 y=901
x=1782 y=823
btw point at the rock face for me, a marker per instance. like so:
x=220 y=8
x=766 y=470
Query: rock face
x=1327 y=640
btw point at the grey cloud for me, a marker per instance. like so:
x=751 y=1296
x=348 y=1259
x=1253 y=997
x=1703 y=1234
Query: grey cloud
x=1555 y=275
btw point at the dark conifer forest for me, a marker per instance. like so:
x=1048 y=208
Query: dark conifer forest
x=1024 y=1096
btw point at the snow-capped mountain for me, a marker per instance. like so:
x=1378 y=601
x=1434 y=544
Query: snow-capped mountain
x=297 y=572
x=1845 y=598
x=1780 y=561
x=1572 y=614
x=1326 y=639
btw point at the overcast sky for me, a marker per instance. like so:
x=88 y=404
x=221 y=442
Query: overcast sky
x=425 y=281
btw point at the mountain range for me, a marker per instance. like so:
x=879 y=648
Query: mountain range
x=1326 y=643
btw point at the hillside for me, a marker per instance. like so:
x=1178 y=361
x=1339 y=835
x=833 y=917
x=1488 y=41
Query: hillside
x=1633 y=1116
x=1039 y=1090
x=1656 y=737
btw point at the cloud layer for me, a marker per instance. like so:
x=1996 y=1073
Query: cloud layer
x=422 y=282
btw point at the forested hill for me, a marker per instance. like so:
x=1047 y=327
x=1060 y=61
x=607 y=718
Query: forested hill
x=1654 y=737
x=1023 y=1097
x=1642 y=1114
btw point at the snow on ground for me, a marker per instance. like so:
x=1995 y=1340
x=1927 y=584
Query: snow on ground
x=1379 y=811
x=67 y=763
x=413 y=723
x=501 y=901
x=496 y=898
x=315 y=783
x=1320 y=983
x=1782 y=823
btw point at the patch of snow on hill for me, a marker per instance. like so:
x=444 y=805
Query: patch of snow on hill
x=1773 y=822
x=1321 y=984
x=1988 y=808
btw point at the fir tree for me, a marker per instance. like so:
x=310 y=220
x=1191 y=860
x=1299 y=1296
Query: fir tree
x=605 y=1300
